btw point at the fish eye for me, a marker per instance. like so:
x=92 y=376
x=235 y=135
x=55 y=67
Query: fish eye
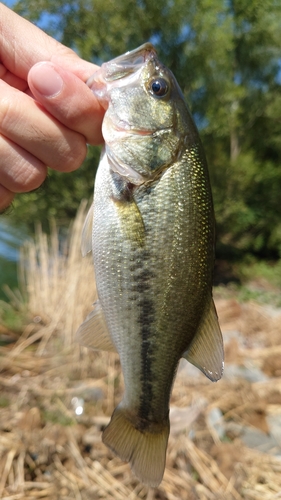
x=159 y=87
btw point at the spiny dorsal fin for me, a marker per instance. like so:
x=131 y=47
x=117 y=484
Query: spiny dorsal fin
x=86 y=244
x=93 y=332
x=206 y=350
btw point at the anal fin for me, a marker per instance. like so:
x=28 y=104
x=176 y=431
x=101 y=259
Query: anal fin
x=93 y=332
x=206 y=351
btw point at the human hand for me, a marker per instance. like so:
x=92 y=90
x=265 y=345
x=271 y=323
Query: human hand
x=47 y=113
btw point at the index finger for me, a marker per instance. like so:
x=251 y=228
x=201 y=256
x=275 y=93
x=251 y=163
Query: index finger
x=19 y=52
x=73 y=104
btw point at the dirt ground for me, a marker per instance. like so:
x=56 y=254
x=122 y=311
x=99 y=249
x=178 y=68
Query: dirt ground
x=225 y=440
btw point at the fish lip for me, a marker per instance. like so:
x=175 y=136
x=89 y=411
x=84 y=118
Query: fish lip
x=123 y=126
x=128 y=63
x=123 y=65
x=101 y=87
x=113 y=72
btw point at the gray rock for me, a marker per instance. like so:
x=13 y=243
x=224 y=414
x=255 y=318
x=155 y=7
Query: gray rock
x=274 y=423
x=216 y=422
x=249 y=373
x=182 y=419
x=255 y=438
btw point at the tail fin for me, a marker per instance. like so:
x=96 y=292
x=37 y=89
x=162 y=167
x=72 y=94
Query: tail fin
x=145 y=451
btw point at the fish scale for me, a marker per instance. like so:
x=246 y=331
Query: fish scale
x=153 y=250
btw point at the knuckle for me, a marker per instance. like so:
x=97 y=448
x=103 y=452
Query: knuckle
x=6 y=112
x=74 y=155
x=27 y=177
x=32 y=179
x=20 y=171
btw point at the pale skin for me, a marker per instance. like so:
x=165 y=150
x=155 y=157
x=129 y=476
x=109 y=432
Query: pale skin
x=47 y=113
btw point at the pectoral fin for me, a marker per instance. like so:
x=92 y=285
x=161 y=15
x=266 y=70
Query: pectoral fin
x=86 y=244
x=131 y=221
x=93 y=332
x=206 y=351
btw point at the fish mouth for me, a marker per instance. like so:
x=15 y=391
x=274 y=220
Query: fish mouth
x=111 y=73
x=124 y=65
x=124 y=129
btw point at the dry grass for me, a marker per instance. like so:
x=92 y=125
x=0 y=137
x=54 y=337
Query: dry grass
x=47 y=451
x=59 y=283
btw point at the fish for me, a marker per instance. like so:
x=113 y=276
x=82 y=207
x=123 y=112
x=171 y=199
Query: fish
x=151 y=232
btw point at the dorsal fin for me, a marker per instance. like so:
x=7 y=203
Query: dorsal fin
x=206 y=350
x=93 y=332
x=86 y=243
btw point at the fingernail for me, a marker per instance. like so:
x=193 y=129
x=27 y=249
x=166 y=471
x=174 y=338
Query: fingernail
x=45 y=79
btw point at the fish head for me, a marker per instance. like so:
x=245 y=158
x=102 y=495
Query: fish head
x=144 y=127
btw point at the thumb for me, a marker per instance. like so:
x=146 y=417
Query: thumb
x=66 y=97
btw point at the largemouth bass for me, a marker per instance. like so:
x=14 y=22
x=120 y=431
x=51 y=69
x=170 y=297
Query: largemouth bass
x=152 y=236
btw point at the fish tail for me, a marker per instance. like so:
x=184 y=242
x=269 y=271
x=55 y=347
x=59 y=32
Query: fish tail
x=145 y=451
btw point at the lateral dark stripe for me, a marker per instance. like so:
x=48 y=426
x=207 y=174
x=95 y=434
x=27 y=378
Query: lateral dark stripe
x=146 y=317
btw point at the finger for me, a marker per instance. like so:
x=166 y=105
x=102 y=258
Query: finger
x=19 y=170
x=12 y=80
x=28 y=125
x=67 y=98
x=6 y=198
x=22 y=45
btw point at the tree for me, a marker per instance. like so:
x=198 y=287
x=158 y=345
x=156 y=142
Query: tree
x=226 y=57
